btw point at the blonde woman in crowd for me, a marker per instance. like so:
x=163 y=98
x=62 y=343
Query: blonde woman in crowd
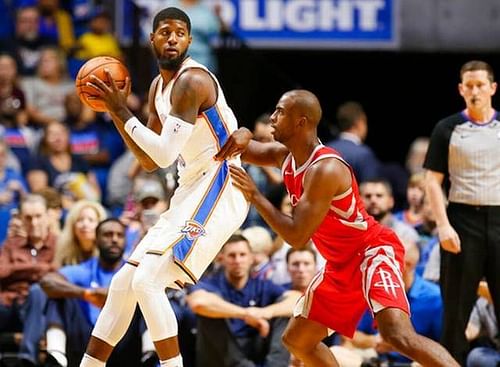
x=77 y=240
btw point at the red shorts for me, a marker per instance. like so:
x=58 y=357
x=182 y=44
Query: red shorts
x=338 y=295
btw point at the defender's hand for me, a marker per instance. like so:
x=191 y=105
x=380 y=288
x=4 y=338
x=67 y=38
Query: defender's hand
x=235 y=144
x=243 y=182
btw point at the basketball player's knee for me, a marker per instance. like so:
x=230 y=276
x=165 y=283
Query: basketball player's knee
x=122 y=280
x=293 y=344
x=143 y=285
x=140 y=284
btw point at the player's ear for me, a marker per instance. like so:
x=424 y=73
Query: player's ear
x=151 y=37
x=302 y=121
x=190 y=39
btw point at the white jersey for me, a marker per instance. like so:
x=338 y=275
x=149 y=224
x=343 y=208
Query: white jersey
x=206 y=209
x=211 y=130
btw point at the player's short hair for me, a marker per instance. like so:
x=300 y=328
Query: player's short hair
x=171 y=13
x=475 y=65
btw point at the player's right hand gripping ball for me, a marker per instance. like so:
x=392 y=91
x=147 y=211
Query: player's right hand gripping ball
x=96 y=66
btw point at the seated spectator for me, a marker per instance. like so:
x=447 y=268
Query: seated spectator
x=56 y=24
x=428 y=238
x=98 y=40
x=96 y=142
x=20 y=138
x=77 y=240
x=483 y=333
x=415 y=192
x=416 y=155
x=378 y=200
x=353 y=126
x=257 y=312
x=12 y=189
x=54 y=209
x=25 y=257
x=58 y=167
x=27 y=43
x=149 y=202
x=45 y=92
x=76 y=295
x=398 y=175
x=302 y=267
x=81 y=11
x=426 y=307
x=261 y=243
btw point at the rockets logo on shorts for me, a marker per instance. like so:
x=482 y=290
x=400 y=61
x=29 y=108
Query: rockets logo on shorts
x=386 y=282
x=193 y=230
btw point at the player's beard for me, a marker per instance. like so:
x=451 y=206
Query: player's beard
x=166 y=63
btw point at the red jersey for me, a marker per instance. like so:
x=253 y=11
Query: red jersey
x=347 y=227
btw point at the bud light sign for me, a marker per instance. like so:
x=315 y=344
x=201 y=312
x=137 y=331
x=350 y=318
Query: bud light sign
x=313 y=23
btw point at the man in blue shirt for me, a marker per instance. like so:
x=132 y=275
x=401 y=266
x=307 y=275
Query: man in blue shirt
x=240 y=319
x=77 y=294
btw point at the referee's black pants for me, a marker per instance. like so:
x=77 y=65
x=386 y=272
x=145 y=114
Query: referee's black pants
x=479 y=230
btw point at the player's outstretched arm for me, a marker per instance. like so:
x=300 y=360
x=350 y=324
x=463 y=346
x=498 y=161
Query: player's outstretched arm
x=322 y=182
x=261 y=154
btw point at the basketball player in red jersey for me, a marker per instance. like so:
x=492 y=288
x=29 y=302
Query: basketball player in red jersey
x=364 y=259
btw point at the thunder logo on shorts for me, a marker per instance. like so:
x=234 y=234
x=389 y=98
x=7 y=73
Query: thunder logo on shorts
x=193 y=230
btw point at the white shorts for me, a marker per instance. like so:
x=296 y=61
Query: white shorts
x=201 y=217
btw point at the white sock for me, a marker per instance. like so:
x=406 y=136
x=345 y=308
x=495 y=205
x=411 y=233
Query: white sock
x=56 y=345
x=89 y=361
x=172 y=362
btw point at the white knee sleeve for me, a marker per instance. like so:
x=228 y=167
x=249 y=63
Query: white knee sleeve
x=149 y=285
x=118 y=311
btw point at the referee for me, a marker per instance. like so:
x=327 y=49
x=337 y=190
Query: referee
x=464 y=154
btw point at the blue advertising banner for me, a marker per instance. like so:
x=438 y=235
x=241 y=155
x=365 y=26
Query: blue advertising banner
x=314 y=23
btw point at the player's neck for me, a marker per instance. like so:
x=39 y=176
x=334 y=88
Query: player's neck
x=167 y=75
x=303 y=150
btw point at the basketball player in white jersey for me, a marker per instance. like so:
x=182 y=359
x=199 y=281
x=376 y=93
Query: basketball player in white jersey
x=189 y=121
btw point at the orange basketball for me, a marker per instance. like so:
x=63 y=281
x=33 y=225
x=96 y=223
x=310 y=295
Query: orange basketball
x=96 y=66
